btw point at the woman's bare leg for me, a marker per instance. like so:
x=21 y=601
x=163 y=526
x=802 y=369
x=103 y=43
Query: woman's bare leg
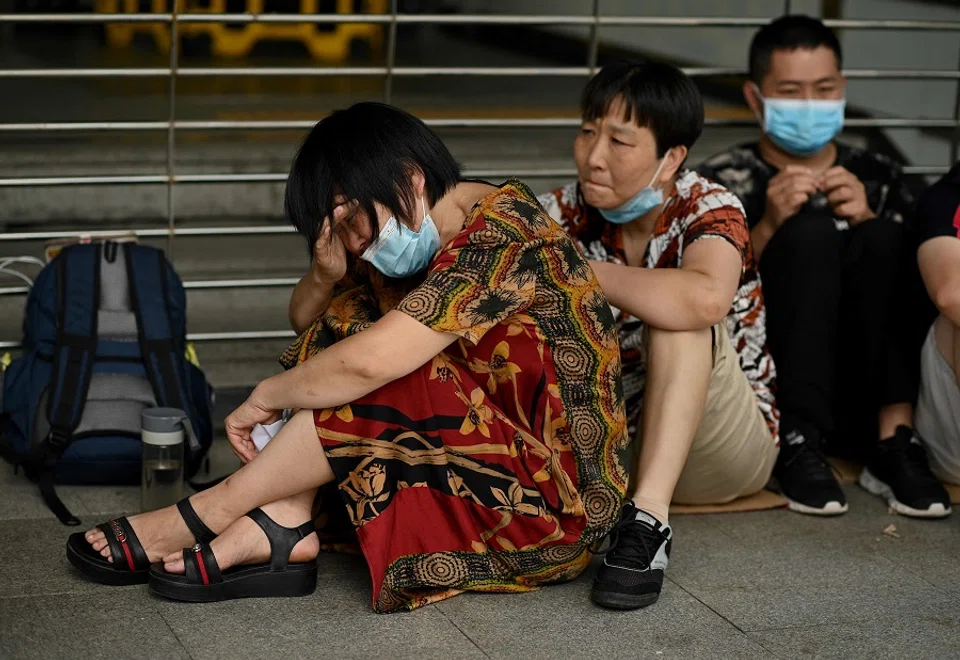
x=293 y=464
x=244 y=542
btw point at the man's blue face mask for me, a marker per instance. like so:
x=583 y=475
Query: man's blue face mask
x=802 y=127
x=399 y=251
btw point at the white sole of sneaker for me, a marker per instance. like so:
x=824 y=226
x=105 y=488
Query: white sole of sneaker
x=829 y=509
x=876 y=487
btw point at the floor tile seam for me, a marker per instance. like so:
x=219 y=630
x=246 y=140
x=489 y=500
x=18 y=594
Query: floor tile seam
x=461 y=631
x=843 y=621
x=172 y=631
x=694 y=596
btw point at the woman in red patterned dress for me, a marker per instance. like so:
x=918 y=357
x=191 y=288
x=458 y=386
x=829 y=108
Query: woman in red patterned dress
x=459 y=385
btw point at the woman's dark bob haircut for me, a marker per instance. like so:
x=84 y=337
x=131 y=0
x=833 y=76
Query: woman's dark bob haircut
x=366 y=153
x=654 y=95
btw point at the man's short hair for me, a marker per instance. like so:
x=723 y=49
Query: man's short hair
x=655 y=95
x=789 y=33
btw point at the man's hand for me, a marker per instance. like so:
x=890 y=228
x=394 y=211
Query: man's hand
x=846 y=195
x=241 y=422
x=786 y=193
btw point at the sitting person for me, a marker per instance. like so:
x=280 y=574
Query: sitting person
x=828 y=223
x=460 y=387
x=672 y=253
x=938 y=406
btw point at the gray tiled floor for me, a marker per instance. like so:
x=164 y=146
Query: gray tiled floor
x=758 y=585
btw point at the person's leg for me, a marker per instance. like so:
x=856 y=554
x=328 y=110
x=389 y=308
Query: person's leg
x=734 y=451
x=292 y=465
x=880 y=373
x=244 y=542
x=679 y=365
x=801 y=273
x=938 y=405
x=878 y=365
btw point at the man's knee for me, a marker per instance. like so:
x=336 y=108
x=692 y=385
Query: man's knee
x=808 y=231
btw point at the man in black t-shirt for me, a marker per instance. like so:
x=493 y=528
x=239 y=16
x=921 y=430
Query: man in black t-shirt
x=938 y=407
x=830 y=225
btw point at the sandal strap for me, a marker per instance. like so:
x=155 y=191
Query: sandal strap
x=200 y=565
x=125 y=548
x=200 y=532
x=282 y=539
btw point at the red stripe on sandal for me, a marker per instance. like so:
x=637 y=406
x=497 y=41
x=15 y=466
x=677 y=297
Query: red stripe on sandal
x=201 y=565
x=122 y=539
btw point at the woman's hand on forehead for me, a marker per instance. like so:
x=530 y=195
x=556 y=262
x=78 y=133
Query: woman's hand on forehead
x=343 y=211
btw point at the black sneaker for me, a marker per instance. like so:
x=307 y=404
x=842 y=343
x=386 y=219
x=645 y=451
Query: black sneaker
x=632 y=573
x=898 y=471
x=804 y=476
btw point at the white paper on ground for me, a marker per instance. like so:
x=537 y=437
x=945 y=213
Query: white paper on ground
x=261 y=434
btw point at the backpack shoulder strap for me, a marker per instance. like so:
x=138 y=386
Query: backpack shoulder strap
x=78 y=299
x=78 y=292
x=163 y=354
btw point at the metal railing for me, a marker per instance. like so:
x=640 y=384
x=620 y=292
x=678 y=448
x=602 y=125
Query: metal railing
x=171 y=178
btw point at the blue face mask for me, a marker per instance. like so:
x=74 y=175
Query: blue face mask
x=399 y=251
x=646 y=199
x=802 y=127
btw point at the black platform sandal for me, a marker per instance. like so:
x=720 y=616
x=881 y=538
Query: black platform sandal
x=203 y=582
x=130 y=564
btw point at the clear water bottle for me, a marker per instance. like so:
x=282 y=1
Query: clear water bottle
x=162 y=434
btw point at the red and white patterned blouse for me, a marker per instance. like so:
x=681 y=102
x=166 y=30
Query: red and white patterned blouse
x=697 y=209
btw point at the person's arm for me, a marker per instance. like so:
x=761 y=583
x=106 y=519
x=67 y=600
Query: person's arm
x=900 y=204
x=939 y=260
x=696 y=296
x=314 y=291
x=310 y=299
x=391 y=348
x=760 y=235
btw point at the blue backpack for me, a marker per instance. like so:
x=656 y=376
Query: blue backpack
x=103 y=338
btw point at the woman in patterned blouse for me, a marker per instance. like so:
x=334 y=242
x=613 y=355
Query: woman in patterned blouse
x=468 y=408
x=672 y=252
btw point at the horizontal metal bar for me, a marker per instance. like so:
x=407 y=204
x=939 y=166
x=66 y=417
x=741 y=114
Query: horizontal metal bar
x=286 y=229
x=470 y=19
x=261 y=283
x=252 y=283
x=926 y=169
x=478 y=122
x=208 y=336
x=14 y=290
x=572 y=71
x=241 y=336
x=147 y=233
x=279 y=124
x=264 y=177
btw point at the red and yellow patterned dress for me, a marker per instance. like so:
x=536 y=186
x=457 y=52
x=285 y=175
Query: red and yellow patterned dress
x=494 y=466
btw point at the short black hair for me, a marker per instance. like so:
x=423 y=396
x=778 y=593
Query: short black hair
x=789 y=33
x=655 y=95
x=366 y=153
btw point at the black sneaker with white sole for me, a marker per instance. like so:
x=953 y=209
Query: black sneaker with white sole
x=898 y=472
x=805 y=477
x=632 y=573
